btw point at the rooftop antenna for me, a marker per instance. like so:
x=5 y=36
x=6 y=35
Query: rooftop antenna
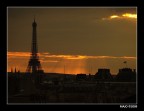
x=90 y=69
x=11 y=70
x=15 y=69
x=64 y=69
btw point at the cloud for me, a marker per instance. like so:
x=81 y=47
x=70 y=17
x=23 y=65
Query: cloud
x=68 y=57
x=18 y=54
x=122 y=16
x=45 y=53
x=49 y=61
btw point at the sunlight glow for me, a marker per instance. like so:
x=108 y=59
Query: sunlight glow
x=114 y=16
x=129 y=15
x=123 y=16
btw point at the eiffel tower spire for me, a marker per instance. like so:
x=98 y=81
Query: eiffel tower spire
x=34 y=65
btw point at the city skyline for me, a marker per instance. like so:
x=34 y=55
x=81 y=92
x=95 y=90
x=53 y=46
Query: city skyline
x=74 y=38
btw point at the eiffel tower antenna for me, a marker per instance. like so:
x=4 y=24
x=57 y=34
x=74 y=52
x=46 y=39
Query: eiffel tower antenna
x=34 y=18
x=34 y=65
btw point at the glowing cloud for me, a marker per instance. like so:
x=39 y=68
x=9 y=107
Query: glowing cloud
x=18 y=54
x=69 y=57
x=129 y=15
x=114 y=16
x=123 y=16
x=49 y=61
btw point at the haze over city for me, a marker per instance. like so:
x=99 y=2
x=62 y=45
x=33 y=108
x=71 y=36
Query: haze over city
x=73 y=40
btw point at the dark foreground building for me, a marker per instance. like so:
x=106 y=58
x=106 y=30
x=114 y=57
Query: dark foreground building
x=126 y=75
x=103 y=75
x=55 y=88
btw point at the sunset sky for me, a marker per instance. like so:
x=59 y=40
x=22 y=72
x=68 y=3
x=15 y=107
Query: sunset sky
x=81 y=39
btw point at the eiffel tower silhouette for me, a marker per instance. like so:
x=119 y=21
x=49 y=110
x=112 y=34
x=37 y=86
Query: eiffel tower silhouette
x=34 y=65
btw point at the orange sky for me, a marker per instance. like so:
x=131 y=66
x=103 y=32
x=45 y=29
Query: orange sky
x=73 y=63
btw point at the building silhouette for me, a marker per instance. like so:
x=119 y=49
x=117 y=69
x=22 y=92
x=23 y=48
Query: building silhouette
x=81 y=77
x=126 y=75
x=103 y=75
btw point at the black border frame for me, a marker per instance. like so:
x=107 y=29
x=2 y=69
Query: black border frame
x=3 y=51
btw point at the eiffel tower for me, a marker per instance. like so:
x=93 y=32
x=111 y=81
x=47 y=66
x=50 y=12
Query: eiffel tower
x=34 y=65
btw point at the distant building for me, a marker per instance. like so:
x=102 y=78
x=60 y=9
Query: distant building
x=126 y=75
x=103 y=75
x=81 y=77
